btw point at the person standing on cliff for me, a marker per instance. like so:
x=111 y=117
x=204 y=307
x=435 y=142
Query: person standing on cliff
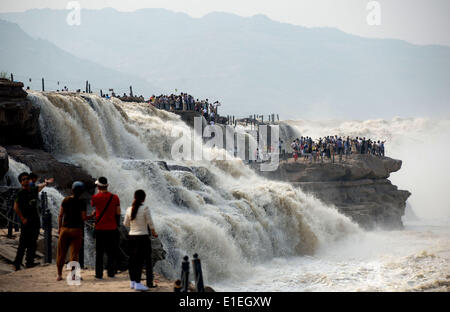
x=107 y=219
x=294 y=147
x=339 y=146
x=347 y=147
x=26 y=207
x=332 y=148
x=70 y=226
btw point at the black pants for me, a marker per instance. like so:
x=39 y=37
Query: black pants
x=106 y=241
x=140 y=254
x=28 y=241
x=149 y=263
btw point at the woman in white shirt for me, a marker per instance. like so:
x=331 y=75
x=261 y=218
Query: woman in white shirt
x=138 y=218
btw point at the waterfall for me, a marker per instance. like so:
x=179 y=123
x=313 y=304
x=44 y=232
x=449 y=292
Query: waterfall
x=221 y=210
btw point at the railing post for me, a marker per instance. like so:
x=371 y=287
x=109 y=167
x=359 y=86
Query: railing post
x=185 y=274
x=197 y=267
x=43 y=89
x=11 y=216
x=47 y=223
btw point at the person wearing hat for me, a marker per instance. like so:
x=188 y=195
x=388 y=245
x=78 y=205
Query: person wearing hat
x=70 y=226
x=107 y=220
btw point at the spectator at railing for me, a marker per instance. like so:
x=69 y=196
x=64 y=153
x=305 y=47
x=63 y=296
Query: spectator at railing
x=330 y=146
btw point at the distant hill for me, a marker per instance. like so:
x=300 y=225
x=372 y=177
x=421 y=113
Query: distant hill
x=27 y=58
x=257 y=65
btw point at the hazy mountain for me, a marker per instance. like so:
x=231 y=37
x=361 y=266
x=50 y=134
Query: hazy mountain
x=27 y=58
x=256 y=65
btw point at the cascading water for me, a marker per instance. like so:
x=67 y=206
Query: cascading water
x=223 y=211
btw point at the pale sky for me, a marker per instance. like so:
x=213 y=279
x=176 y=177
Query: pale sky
x=416 y=21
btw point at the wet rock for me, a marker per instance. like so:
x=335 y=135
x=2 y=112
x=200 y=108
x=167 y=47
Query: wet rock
x=46 y=166
x=179 y=168
x=369 y=202
x=4 y=163
x=355 y=168
x=203 y=175
x=163 y=165
x=358 y=187
x=19 y=118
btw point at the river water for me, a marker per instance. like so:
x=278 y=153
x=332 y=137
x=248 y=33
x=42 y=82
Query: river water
x=414 y=259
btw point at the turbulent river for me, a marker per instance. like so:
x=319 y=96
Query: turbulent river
x=251 y=234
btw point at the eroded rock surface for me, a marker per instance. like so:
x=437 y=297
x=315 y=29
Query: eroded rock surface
x=358 y=187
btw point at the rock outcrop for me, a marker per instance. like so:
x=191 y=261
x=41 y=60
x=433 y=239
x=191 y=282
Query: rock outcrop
x=188 y=117
x=46 y=166
x=358 y=187
x=19 y=118
x=4 y=163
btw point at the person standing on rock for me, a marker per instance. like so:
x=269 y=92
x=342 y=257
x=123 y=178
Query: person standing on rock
x=70 y=226
x=26 y=207
x=339 y=146
x=294 y=147
x=107 y=220
x=139 y=219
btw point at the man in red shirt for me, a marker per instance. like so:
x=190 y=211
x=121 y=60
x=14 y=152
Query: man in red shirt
x=107 y=219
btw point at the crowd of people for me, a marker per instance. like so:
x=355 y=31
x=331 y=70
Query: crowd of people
x=186 y=102
x=73 y=214
x=332 y=146
x=126 y=98
x=173 y=102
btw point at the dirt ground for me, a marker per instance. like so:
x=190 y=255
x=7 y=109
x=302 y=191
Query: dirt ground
x=43 y=279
